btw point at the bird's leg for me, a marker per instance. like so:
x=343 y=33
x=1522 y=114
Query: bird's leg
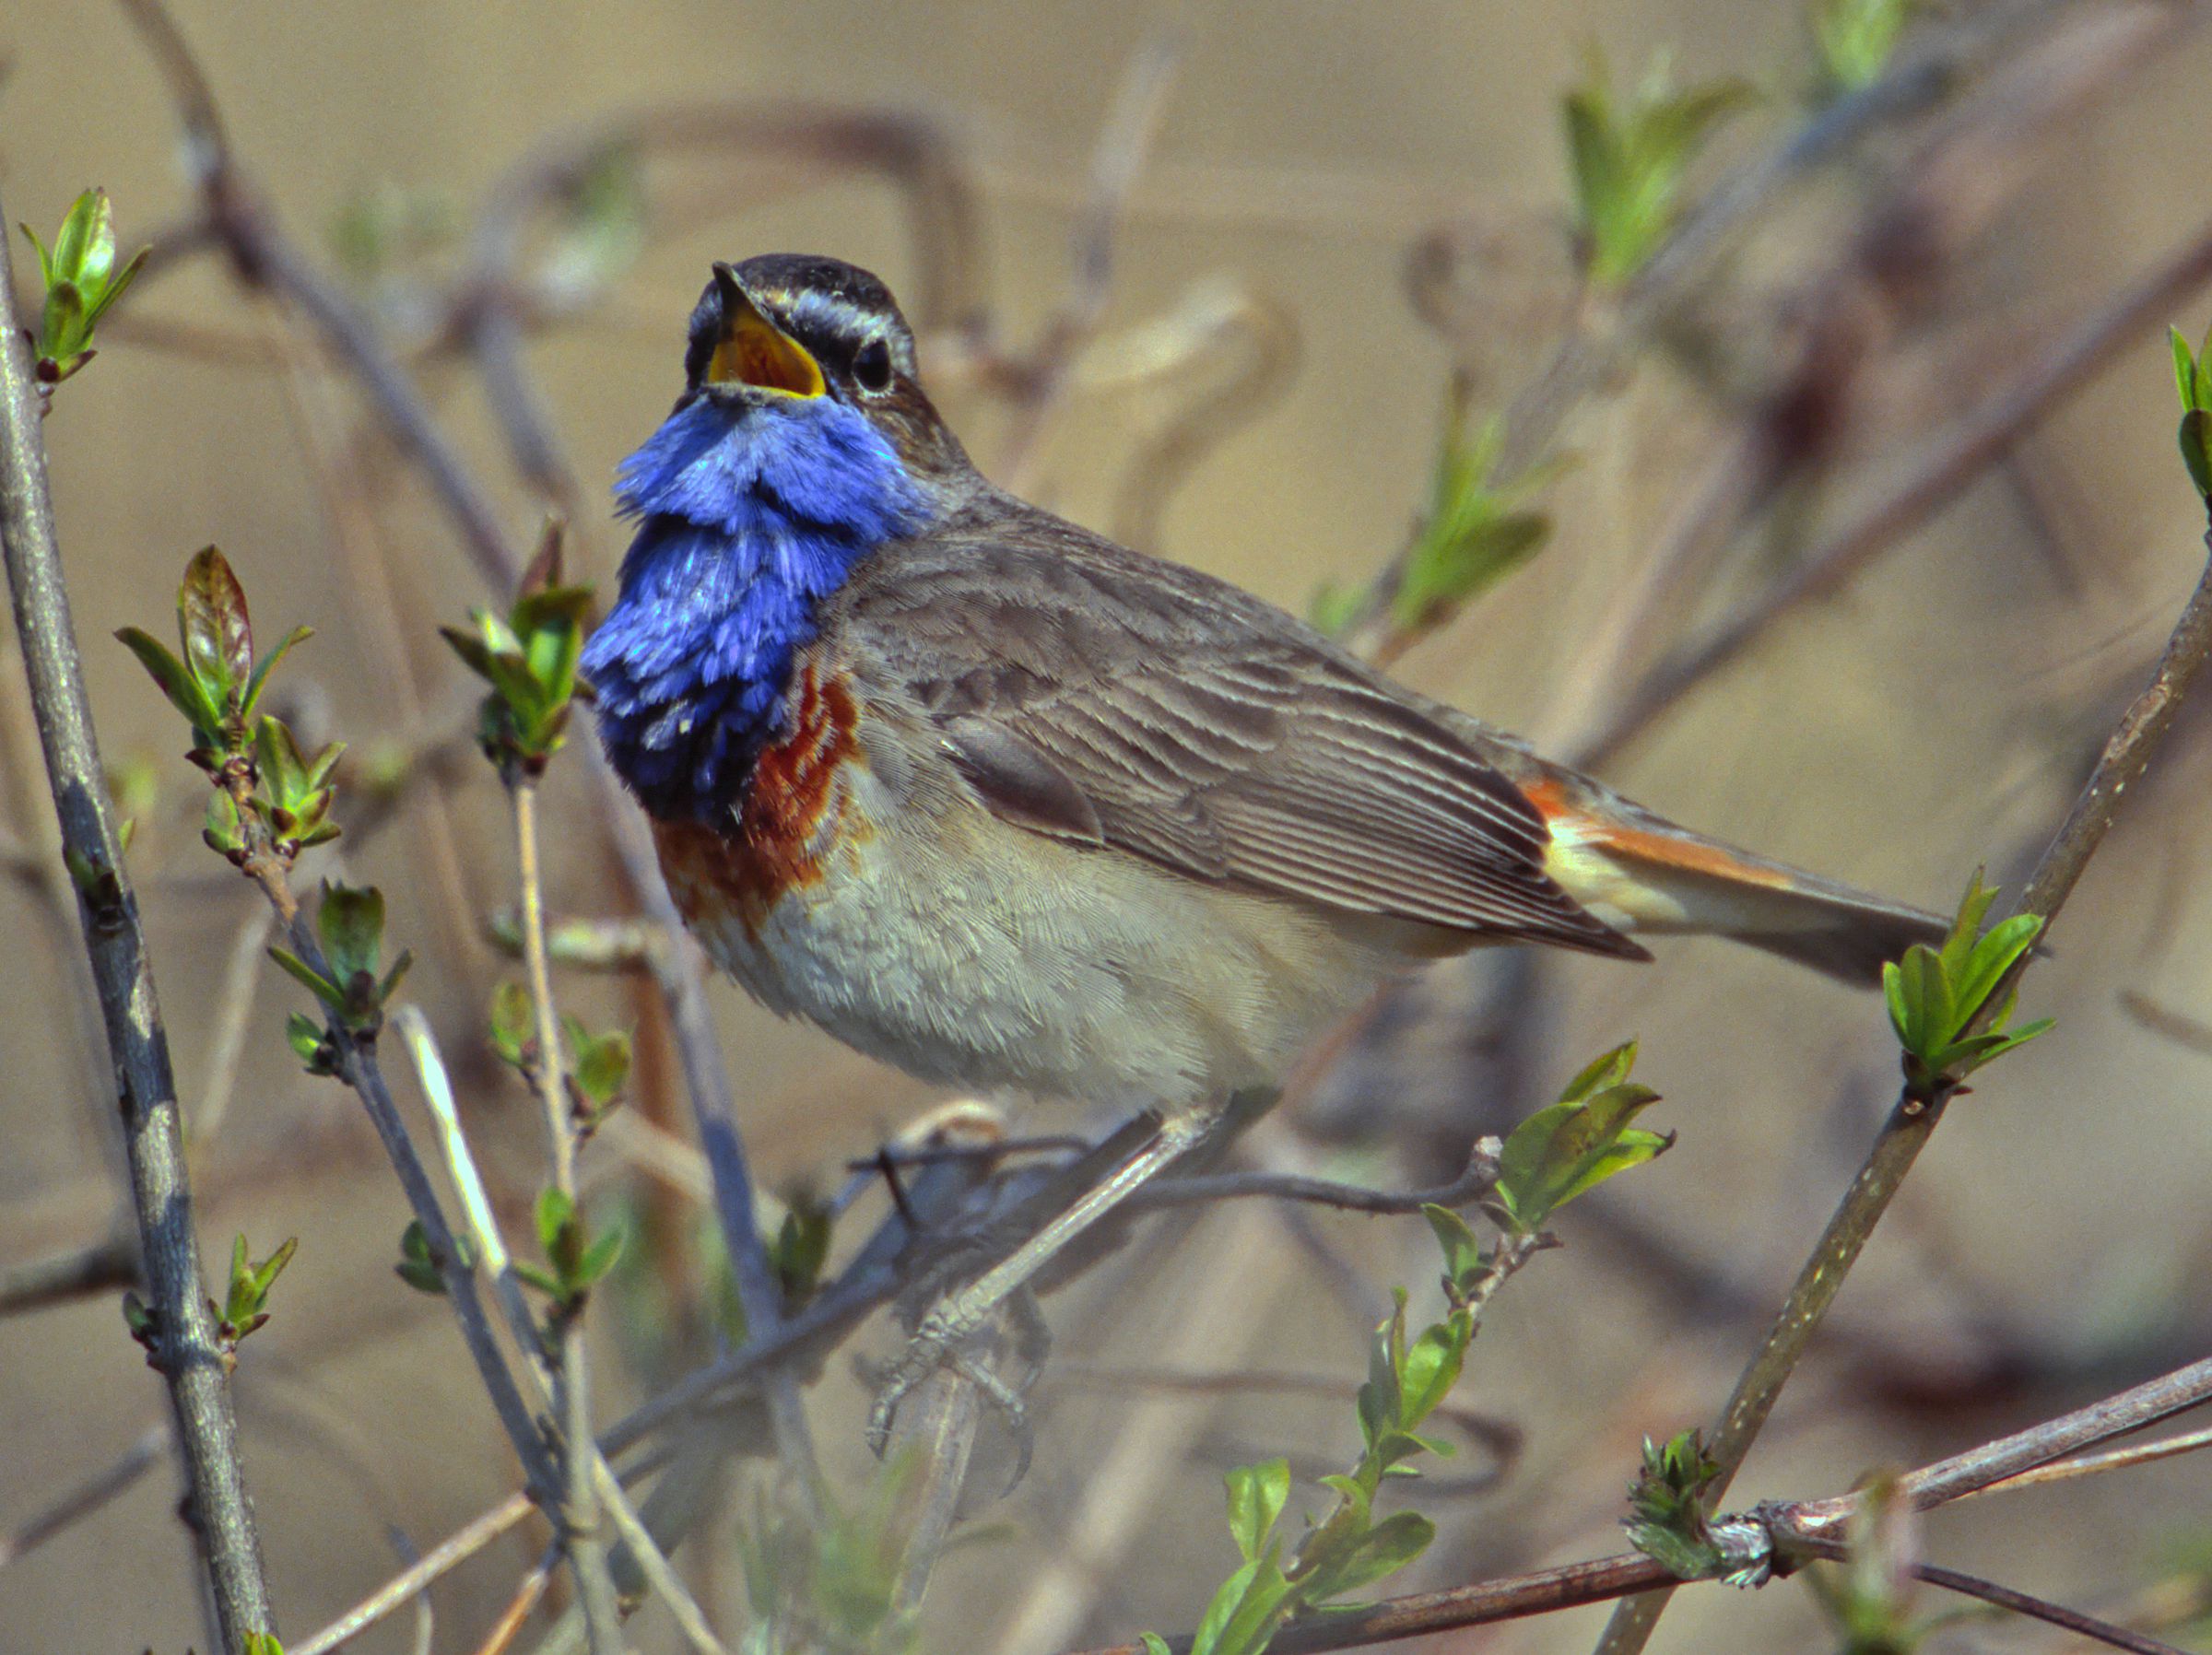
x=958 y=1314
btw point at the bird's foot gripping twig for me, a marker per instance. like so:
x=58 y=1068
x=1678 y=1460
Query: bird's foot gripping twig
x=947 y=1341
x=942 y=1336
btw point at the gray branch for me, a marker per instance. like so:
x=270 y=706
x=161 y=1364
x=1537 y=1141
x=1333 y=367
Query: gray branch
x=183 y=1346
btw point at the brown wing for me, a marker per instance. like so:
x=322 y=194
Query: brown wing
x=1091 y=693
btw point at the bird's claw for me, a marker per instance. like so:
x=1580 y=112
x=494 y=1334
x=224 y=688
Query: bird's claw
x=936 y=1346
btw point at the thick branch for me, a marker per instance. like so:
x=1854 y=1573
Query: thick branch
x=184 y=1348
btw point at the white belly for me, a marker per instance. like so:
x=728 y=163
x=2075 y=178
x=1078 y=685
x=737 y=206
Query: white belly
x=976 y=955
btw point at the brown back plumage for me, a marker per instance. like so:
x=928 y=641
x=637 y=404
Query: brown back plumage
x=1096 y=694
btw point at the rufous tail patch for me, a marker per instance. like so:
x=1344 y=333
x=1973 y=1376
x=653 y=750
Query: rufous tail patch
x=1571 y=822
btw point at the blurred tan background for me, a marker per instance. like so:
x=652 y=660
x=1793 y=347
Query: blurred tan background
x=1936 y=716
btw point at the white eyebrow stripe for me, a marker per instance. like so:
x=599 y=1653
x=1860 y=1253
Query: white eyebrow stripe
x=824 y=311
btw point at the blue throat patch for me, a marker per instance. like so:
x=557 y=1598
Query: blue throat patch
x=749 y=519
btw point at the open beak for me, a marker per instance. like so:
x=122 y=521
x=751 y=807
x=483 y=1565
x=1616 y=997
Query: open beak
x=754 y=351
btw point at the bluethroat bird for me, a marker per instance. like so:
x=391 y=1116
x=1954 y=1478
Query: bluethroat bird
x=1010 y=806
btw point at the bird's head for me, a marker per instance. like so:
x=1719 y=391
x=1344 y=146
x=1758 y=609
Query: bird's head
x=800 y=368
x=800 y=443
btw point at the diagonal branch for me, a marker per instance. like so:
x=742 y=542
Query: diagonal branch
x=2141 y=732
x=2020 y=1603
x=184 y=1347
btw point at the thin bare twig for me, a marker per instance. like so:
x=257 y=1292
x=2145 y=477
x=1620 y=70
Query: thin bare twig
x=97 y=1267
x=527 y=1592
x=88 y=1496
x=243 y=969
x=488 y=1252
x=1922 y=78
x=357 y=1066
x=264 y=257
x=183 y=1346
x=1470 y=1186
x=1125 y=142
x=2093 y=1465
x=570 y=1360
x=2020 y=1603
x=1977 y=440
x=446 y=1555
x=1992 y=1463
x=653 y=1563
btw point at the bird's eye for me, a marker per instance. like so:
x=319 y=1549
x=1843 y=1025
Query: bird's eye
x=872 y=365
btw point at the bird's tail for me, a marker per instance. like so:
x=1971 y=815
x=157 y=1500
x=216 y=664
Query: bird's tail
x=1642 y=873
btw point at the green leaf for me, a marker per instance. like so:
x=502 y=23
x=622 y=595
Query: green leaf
x=314 y=981
x=1856 y=38
x=599 y=1257
x=2185 y=371
x=1934 y=997
x=1256 y=1495
x=257 y=680
x=1966 y=926
x=175 y=682
x=512 y=1019
x=556 y=1217
x=305 y=1037
x=416 y=1266
x=351 y=923
x=1475 y=533
x=218 y=633
x=601 y=1065
x=85 y=250
x=1208 y=1638
x=475 y=655
x=1377 y=1399
x=1463 y=1261
x=79 y=283
x=1989 y=960
x=1260 y=1613
x=1927 y=1023
x=1628 y=159
x=45 y=257
x=801 y=1248
x=544 y=1281
x=1383 y=1550
x=1608 y=1071
x=1667 y=1518
x=1154 y=1644
x=222 y=830
x=389 y=985
x=283 y=771
x=273 y=1266
x=116 y=288
x=1334 y=606
x=64 y=327
x=1560 y=1152
x=1432 y=1367
x=2196 y=439
x=244 y=1308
